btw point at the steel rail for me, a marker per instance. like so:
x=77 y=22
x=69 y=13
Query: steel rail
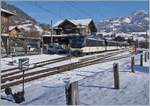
x=52 y=71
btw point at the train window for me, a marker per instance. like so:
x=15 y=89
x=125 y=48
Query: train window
x=111 y=43
x=101 y=43
x=94 y=42
x=77 y=42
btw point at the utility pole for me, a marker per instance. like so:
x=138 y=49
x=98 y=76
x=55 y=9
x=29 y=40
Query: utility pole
x=146 y=40
x=80 y=29
x=137 y=43
x=51 y=32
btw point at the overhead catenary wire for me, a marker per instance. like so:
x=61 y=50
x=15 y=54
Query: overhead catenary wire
x=79 y=9
x=60 y=11
x=74 y=10
x=73 y=6
x=82 y=11
x=48 y=10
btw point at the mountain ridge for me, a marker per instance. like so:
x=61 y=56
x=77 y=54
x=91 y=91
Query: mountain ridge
x=137 y=21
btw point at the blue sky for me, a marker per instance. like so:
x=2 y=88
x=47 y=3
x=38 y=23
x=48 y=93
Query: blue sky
x=44 y=11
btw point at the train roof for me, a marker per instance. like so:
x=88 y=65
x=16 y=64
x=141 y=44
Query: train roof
x=91 y=38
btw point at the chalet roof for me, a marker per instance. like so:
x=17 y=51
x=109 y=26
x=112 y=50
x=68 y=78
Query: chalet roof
x=8 y=12
x=82 y=22
x=62 y=35
x=27 y=27
x=58 y=23
x=12 y=27
x=5 y=34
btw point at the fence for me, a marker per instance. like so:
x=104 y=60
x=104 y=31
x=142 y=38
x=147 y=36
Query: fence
x=72 y=92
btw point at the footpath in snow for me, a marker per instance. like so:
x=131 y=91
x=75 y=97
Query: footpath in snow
x=96 y=85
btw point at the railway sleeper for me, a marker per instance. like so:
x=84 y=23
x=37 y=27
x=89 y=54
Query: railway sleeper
x=52 y=73
x=67 y=67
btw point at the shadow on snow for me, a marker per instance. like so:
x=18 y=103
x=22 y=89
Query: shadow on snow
x=139 y=68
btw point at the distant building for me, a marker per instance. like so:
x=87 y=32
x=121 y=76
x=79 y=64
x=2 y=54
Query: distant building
x=30 y=34
x=18 y=35
x=63 y=30
x=14 y=31
x=82 y=26
x=5 y=22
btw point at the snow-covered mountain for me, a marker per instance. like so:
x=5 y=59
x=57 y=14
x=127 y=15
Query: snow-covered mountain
x=137 y=21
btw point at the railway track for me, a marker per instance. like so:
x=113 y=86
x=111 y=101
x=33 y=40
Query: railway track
x=39 y=64
x=15 y=70
x=16 y=79
x=42 y=63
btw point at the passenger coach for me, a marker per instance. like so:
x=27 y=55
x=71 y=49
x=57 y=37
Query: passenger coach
x=86 y=45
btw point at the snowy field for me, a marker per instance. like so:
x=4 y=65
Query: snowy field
x=32 y=59
x=95 y=86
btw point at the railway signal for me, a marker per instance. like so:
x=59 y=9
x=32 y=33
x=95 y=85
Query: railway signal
x=23 y=65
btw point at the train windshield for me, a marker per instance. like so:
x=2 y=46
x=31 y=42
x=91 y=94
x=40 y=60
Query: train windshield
x=77 y=42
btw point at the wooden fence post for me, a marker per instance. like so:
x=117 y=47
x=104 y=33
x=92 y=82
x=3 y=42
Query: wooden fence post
x=132 y=64
x=141 y=60
x=145 y=56
x=72 y=93
x=116 y=76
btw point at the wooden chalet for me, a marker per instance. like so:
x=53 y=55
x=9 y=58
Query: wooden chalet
x=5 y=22
x=64 y=30
x=14 y=31
x=27 y=34
x=82 y=26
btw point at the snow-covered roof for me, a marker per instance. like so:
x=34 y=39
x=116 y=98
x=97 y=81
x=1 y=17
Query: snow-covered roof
x=83 y=22
x=62 y=35
x=127 y=20
x=139 y=38
x=105 y=33
x=5 y=34
x=38 y=28
x=8 y=12
x=27 y=27
x=12 y=27
x=46 y=35
x=58 y=23
x=138 y=33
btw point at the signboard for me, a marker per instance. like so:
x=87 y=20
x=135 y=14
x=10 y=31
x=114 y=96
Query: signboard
x=23 y=64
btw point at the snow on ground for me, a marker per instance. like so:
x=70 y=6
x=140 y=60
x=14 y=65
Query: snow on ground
x=32 y=59
x=39 y=58
x=95 y=86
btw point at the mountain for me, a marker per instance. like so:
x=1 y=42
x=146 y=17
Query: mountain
x=137 y=21
x=21 y=16
x=23 y=20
